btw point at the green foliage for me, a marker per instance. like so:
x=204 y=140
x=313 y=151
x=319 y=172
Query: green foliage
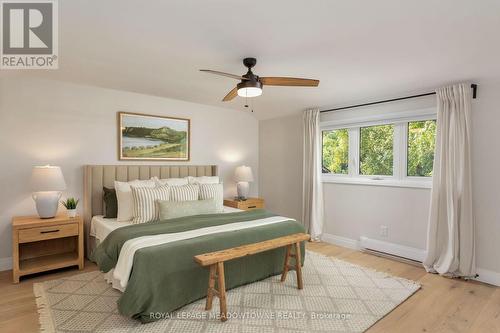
x=376 y=150
x=169 y=135
x=421 y=143
x=336 y=151
x=70 y=203
x=163 y=133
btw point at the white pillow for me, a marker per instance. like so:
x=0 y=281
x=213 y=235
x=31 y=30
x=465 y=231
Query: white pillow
x=213 y=191
x=125 y=200
x=146 y=202
x=184 y=193
x=204 y=180
x=171 y=181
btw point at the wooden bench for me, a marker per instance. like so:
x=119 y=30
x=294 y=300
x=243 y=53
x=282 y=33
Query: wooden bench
x=216 y=262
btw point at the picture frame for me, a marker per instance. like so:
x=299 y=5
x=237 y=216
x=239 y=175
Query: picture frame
x=146 y=137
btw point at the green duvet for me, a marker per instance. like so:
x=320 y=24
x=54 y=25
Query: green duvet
x=165 y=277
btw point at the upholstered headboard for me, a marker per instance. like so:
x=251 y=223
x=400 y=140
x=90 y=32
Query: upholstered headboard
x=98 y=176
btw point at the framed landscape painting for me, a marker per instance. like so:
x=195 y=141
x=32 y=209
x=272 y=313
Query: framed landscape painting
x=148 y=137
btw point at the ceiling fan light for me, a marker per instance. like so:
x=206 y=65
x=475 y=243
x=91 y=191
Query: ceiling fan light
x=249 y=88
x=249 y=92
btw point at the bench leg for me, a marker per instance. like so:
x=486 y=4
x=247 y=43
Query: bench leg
x=222 y=291
x=285 y=266
x=298 y=267
x=211 y=286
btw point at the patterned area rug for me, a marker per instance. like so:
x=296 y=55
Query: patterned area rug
x=337 y=297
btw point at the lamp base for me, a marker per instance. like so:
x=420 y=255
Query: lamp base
x=46 y=203
x=242 y=188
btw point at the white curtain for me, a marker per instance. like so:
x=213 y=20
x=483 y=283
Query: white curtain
x=312 y=191
x=450 y=242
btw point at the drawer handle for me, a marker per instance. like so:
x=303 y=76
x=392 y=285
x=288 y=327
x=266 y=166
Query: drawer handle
x=252 y=206
x=49 y=231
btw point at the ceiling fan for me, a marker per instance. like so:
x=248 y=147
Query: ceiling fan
x=251 y=84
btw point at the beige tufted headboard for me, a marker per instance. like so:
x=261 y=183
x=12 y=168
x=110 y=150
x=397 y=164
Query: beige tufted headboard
x=98 y=176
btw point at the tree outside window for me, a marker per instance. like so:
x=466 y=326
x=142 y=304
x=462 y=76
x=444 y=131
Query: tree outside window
x=336 y=151
x=376 y=150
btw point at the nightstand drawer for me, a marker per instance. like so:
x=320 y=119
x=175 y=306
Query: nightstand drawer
x=248 y=205
x=49 y=232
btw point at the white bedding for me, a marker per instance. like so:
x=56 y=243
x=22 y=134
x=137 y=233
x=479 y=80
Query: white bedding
x=100 y=227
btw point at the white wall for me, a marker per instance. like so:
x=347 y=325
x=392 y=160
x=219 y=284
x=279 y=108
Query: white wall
x=352 y=211
x=280 y=157
x=71 y=125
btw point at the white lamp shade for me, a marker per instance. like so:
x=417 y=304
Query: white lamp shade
x=243 y=174
x=47 y=178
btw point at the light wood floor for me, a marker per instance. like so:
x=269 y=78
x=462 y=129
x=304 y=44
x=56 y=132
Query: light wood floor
x=442 y=305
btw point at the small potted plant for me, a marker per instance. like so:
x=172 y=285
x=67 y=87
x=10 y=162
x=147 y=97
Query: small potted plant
x=70 y=205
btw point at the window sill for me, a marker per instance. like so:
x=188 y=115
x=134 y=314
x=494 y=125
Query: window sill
x=377 y=182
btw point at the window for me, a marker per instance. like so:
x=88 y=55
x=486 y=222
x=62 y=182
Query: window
x=336 y=151
x=380 y=150
x=421 y=142
x=376 y=150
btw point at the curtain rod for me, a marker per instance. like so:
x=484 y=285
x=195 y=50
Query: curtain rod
x=473 y=87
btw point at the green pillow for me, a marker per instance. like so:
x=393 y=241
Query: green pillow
x=110 y=203
x=173 y=209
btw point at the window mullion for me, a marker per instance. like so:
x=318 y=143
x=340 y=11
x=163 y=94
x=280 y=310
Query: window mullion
x=404 y=151
x=354 y=151
x=398 y=150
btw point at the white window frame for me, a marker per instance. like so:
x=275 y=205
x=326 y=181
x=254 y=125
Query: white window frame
x=400 y=176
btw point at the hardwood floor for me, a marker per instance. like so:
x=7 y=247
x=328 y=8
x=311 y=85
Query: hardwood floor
x=442 y=305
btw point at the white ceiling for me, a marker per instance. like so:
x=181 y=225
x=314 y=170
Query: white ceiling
x=360 y=50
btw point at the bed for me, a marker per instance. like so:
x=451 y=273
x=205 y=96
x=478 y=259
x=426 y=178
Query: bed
x=153 y=262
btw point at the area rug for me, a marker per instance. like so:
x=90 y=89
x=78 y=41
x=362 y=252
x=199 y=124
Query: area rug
x=337 y=297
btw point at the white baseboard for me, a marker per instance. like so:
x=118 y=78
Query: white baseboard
x=392 y=248
x=5 y=264
x=340 y=241
x=487 y=276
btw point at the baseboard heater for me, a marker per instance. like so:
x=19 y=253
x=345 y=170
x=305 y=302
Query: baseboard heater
x=393 y=251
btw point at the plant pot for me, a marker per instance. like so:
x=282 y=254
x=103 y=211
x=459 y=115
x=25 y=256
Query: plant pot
x=71 y=212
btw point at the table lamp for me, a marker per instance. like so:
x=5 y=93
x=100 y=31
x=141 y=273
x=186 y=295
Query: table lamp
x=243 y=175
x=47 y=183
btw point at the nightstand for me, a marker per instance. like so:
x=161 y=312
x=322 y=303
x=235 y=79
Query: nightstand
x=40 y=245
x=248 y=204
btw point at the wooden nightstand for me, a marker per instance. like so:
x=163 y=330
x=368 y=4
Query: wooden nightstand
x=40 y=245
x=248 y=204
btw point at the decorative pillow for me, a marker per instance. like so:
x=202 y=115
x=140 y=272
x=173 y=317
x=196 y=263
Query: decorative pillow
x=110 y=203
x=145 y=202
x=171 y=181
x=184 y=193
x=173 y=209
x=213 y=191
x=204 y=180
x=125 y=200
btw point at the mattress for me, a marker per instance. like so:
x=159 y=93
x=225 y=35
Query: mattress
x=101 y=227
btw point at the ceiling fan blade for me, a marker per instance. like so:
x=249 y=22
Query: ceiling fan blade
x=237 y=77
x=232 y=94
x=288 y=81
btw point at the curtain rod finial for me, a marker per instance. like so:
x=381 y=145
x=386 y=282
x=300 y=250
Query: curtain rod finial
x=474 y=90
